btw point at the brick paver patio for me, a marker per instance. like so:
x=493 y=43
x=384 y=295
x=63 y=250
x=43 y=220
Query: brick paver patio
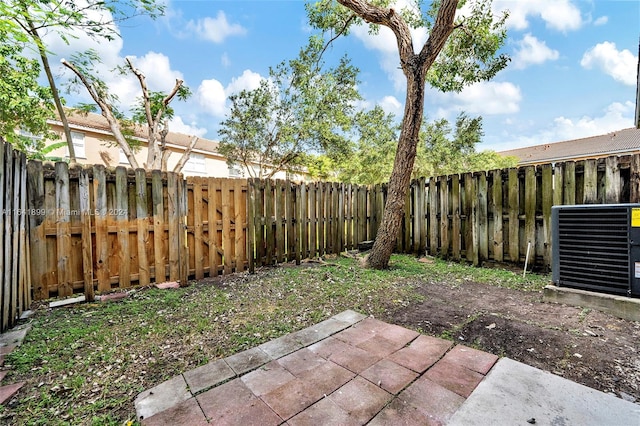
x=347 y=370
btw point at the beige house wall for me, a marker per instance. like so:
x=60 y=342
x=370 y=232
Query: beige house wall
x=99 y=149
x=96 y=145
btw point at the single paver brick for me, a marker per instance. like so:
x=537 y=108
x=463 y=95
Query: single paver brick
x=329 y=346
x=185 y=413
x=7 y=391
x=233 y=403
x=361 y=399
x=15 y=336
x=389 y=375
x=399 y=335
x=436 y=402
x=301 y=361
x=247 y=360
x=362 y=331
x=478 y=361
x=379 y=346
x=281 y=346
x=161 y=397
x=399 y=413
x=257 y=413
x=354 y=359
x=292 y=397
x=3 y=374
x=422 y=353
x=454 y=377
x=349 y=316
x=323 y=412
x=329 y=326
x=167 y=285
x=208 y=375
x=327 y=377
x=267 y=378
x=5 y=350
x=307 y=336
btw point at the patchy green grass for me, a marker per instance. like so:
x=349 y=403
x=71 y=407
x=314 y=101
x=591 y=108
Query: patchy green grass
x=85 y=364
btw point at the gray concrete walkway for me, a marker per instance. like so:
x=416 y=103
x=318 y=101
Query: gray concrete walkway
x=355 y=370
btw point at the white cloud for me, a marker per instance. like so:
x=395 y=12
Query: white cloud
x=532 y=51
x=211 y=97
x=179 y=126
x=249 y=80
x=560 y=15
x=391 y=105
x=616 y=116
x=215 y=29
x=224 y=60
x=621 y=65
x=601 y=21
x=484 y=98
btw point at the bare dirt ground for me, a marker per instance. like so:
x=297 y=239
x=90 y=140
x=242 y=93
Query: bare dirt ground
x=587 y=346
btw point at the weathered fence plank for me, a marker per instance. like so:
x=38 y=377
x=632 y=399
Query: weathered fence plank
x=122 y=220
x=63 y=229
x=547 y=203
x=514 y=216
x=496 y=211
x=87 y=246
x=456 y=226
x=142 y=225
x=157 y=197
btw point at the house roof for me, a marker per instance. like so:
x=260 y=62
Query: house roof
x=625 y=141
x=99 y=123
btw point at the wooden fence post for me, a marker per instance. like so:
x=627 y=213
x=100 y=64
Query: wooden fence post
x=63 y=231
x=142 y=223
x=496 y=209
x=456 y=226
x=612 y=181
x=157 y=198
x=514 y=213
x=444 y=215
x=482 y=216
x=547 y=203
x=198 y=239
x=569 y=183
x=122 y=221
x=37 y=237
x=590 y=182
x=87 y=246
x=530 y=194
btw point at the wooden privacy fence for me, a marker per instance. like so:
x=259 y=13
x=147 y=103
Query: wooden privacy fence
x=98 y=229
x=497 y=215
x=15 y=291
x=91 y=229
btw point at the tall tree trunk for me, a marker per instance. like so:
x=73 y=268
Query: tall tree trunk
x=414 y=67
x=401 y=174
x=54 y=91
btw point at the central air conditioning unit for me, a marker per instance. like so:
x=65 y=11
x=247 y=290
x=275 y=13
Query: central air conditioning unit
x=596 y=247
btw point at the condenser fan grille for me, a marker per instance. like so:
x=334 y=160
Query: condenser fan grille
x=593 y=249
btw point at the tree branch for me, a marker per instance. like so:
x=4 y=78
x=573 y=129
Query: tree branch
x=338 y=34
x=114 y=125
x=185 y=155
x=390 y=19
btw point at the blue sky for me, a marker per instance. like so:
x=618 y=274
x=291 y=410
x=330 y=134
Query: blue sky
x=572 y=74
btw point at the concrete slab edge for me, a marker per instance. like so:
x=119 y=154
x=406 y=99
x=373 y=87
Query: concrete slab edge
x=620 y=306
